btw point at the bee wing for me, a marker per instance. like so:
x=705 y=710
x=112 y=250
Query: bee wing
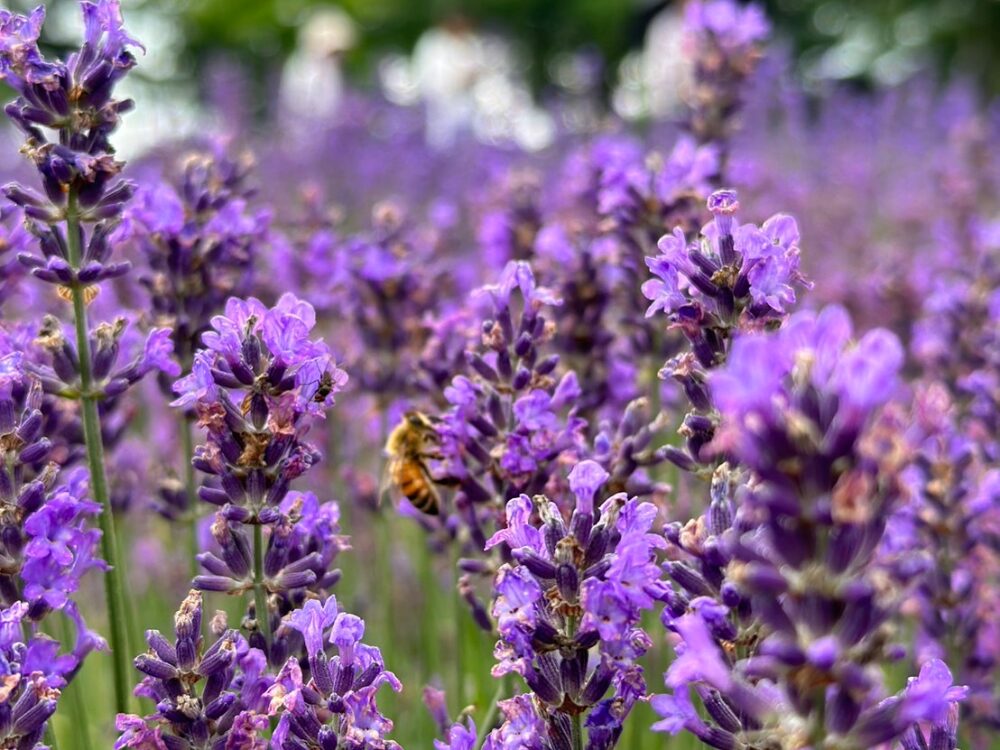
x=385 y=481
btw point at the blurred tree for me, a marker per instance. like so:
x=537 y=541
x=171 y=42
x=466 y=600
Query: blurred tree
x=878 y=41
x=885 y=41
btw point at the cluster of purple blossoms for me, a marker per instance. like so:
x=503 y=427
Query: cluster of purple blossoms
x=636 y=190
x=584 y=273
x=725 y=41
x=47 y=545
x=389 y=285
x=954 y=507
x=199 y=241
x=942 y=545
x=956 y=338
x=509 y=226
x=329 y=702
x=736 y=278
x=508 y=419
x=805 y=411
x=568 y=611
x=78 y=169
x=30 y=679
x=210 y=697
x=256 y=388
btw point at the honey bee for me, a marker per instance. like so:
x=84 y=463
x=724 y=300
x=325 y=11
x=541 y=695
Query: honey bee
x=410 y=445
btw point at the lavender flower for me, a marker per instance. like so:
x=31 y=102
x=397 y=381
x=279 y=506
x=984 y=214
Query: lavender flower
x=199 y=241
x=942 y=545
x=48 y=544
x=256 y=387
x=390 y=284
x=573 y=589
x=333 y=704
x=205 y=697
x=737 y=278
x=265 y=361
x=825 y=452
x=641 y=196
x=490 y=454
x=724 y=43
x=78 y=168
x=30 y=680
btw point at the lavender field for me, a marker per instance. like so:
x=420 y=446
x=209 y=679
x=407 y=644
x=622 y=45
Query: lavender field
x=350 y=429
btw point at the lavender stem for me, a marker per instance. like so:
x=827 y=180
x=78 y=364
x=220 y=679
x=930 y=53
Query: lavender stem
x=117 y=617
x=79 y=718
x=491 y=714
x=259 y=594
x=577 y=731
x=191 y=490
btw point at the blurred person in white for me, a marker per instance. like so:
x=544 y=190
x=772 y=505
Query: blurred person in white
x=448 y=61
x=666 y=69
x=654 y=81
x=312 y=82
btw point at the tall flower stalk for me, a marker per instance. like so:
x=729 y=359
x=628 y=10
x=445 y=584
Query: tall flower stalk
x=198 y=241
x=809 y=413
x=82 y=202
x=257 y=387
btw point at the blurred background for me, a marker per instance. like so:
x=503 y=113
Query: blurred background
x=497 y=66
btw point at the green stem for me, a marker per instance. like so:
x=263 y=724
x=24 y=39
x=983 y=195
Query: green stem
x=576 y=731
x=79 y=718
x=576 y=720
x=385 y=546
x=259 y=594
x=385 y=549
x=431 y=612
x=457 y=615
x=114 y=591
x=191 y=490
x=491 y=715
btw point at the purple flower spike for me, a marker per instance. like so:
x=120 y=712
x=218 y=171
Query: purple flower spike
x=215 y=694
x=599 y=564
x=739 y=279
